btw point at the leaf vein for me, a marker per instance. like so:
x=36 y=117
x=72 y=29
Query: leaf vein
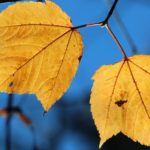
x=113 y=90
x=35 y=56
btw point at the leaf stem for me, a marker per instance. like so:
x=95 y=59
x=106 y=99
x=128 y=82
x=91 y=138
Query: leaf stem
x=124 y=29
x=87 y=25
x=105 y=23
x=117 y=41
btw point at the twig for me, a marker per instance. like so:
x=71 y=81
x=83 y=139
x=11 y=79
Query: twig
x=124 y=30
x=116 y=40
x=8 y=123
x=4 y=1
x=102 y=23
x=110 y=12
x=105 y=23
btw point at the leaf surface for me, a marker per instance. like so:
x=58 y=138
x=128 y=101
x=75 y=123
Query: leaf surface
x=120 y=99
x=39 y=52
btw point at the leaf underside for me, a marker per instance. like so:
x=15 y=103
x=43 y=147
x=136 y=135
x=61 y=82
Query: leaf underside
x=39 y=51
x=120 y=100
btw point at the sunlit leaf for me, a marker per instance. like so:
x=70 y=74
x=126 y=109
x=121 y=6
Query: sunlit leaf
x=39 y=51
x=120 y=100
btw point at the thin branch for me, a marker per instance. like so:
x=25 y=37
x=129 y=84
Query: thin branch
x=4 y=1
x=35 y=146
x=117 y=41
x=8 y=123
x=105 y=23
x=102 y=23
x=124 y=30
x=87 y=25
x=110 y=12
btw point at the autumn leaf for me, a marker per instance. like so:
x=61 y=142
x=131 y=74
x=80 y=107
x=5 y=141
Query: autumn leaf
x=120 y=100
x=39 y=51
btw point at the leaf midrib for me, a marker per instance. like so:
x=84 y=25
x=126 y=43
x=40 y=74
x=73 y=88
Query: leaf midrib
x=35 y=55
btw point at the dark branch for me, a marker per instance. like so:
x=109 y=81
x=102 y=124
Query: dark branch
x=8 y=123
x=99 y=23
x=117 y=41
x=4 y=1
x=110 y=12
x=124 y=29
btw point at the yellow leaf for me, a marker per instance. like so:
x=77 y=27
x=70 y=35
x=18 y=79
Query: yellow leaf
x=120 y=100
x=39 y=51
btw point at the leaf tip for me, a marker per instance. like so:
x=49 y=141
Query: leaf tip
x=102 y=141
x=44 y=113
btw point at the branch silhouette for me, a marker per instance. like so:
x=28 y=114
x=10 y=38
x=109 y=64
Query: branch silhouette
x=4 y=1
x=101 y=23
x=8 y=122
x=124 y=30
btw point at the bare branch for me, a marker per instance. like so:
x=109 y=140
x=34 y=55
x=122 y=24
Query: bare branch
x=8 y=123
x=4 y=1
x=117 y=41
x=110 y=12
x=124 y=29
x=103 y=23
